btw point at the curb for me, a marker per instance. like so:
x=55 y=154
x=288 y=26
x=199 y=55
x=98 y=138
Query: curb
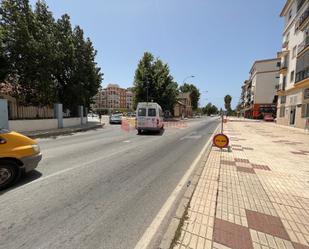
x=173 y=231
x=64 y=132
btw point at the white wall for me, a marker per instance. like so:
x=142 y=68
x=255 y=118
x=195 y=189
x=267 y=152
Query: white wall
x=33 y=124
x=295 y=38
x=265 y=88
x=68 y=122
x=85 y=119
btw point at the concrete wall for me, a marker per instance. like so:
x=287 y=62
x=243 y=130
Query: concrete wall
x=33 y=124
x=68 y=122
x=84 y=120
x=105 y=119
x=4 y=117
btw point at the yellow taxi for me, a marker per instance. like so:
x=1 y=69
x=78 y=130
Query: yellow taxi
x=18 y=154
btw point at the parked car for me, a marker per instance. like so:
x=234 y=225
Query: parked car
x=269 y=118
x=18 y=154
x=149 y=117
x=115 y=119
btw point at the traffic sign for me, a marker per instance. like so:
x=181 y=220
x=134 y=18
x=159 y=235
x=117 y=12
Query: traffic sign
x=221 y=141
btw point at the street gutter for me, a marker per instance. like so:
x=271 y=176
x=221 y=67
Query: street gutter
x=173 y=231
x=59 y=132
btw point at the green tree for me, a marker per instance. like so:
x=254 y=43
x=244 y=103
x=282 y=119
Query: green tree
x=153 y=82
x=18 y=26
x=210 y=109
x=63 y=66
x=45 y=54
x=4 y=66
x=227 y=104
x=86 y=78
x=194 y=93
x=47 y=61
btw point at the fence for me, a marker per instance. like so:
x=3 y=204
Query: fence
x=30 y=118
x=17 y=112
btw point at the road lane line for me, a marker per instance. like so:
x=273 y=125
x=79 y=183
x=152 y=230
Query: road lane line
x=151 y=231
x=86 y=164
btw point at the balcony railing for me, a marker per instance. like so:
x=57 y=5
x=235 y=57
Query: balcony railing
x=303 y=45
x=285 y=44
x=300 y=4
x=277 y=87
x=302 y=19
x=301 y=75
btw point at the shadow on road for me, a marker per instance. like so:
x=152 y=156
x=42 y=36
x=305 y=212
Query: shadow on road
x=25 y=178
x=152 y=133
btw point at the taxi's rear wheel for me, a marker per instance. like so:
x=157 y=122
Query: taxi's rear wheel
x=9 y=173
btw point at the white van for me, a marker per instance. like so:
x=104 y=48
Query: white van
x=149 y=117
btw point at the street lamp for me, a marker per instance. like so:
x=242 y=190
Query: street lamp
x=188 y=77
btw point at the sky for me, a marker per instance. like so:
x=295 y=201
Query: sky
x=216 y=41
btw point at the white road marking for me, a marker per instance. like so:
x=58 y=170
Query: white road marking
x=86 y=164
x=127 y=141
x=191 y=137
x=149 y=234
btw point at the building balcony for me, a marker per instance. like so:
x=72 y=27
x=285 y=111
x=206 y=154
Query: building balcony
x=285 y=44
x=280 y=87
x=302 y=75
x=303 y=21
x=302 y=65
x=283 y=68
x=303 y=47
x=300 y=4
x=277 y=87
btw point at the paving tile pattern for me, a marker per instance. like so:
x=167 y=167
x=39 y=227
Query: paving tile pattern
x=256 y=196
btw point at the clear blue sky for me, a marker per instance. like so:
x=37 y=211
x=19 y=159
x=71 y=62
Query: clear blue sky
x=217 y=41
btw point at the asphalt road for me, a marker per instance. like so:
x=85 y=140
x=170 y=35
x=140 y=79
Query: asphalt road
x=98 y=189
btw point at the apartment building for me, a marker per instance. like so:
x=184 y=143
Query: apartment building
x=258 y=95
x=293 y=90
x=129 y=99
x=183 y=106
x=113 y=97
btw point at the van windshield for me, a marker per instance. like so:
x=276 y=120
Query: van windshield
x=141 y=112
x=151 y=112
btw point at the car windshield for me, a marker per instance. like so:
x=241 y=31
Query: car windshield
x=151 y=112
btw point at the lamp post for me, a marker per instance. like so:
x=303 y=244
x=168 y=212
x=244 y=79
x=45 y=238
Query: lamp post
x=188 y=77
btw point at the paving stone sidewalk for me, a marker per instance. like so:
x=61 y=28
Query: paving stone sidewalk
x=256 y=196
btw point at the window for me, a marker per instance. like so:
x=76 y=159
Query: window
x=282 y=111
x=151 y=112
x=306 y=93
x=282 y=99
x=305 y=111
x=292 y=76
x=294 y=52
x=141 y=112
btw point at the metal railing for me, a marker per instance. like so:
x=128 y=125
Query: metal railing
x=303 y=18
x=301 y=75
x=303 y=45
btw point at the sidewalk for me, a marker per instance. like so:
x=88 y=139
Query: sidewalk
x=256 y=196
x=63 y=131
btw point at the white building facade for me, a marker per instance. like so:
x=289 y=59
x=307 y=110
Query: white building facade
x=259 y=91
x=293 y=89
